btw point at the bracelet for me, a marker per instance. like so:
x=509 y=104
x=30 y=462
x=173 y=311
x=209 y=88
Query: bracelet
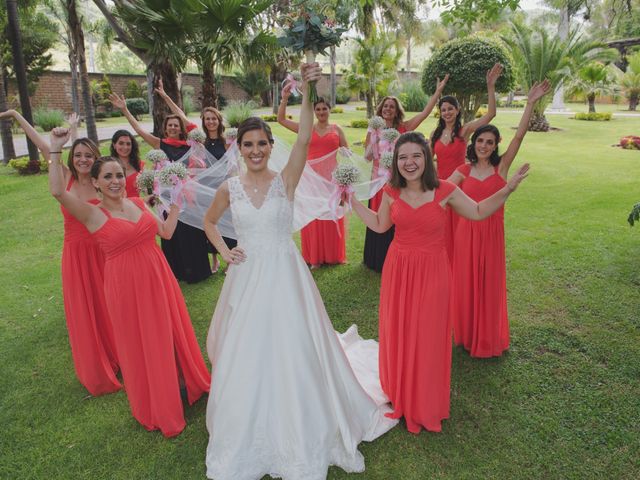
x=51 y=153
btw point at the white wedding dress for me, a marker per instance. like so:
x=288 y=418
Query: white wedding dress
x=287 y=396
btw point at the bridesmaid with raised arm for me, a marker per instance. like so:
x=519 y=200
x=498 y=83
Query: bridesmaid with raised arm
x=449 y=139
x=157 y=347
x=391 y=111
x=187 y=251
x=322 y=241
x=216 y=145
x=479 y=294
x=124 y=147
x=415 y=327
x=88 y=323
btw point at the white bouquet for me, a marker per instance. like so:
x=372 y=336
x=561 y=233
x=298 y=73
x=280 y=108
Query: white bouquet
x=197 y=135
x=386 y=160
x=231 y=134
x=376 y=123
x=146 y=181
x=158 y=158
x=390 y=135
x=346 y=175
x=172 y=174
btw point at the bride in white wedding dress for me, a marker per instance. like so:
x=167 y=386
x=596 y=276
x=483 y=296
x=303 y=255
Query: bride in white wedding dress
x=284 y=398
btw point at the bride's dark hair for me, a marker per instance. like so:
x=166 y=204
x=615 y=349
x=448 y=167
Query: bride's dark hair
x=254 y=123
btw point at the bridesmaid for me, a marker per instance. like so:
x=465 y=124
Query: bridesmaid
x=88 y=323
x=157 y=347
x=216 y=145
x=391 y=111
x=125 y=147
x=479 y=308
x=321 y=241
x=449 y=139
x=415 y=342
x=187 y=251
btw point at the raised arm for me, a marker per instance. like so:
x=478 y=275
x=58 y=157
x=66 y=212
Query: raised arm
x=293 y=170
x=73 y=121
x=466 y=207
x=537 y=91
x=282 y=110
x=87 y=214
x=379 y=221
x=492 y=77
x=216 y=210
x=343 y=138
x=38 y=140
x=170 y=103
x=119 y=102
x=415 y=122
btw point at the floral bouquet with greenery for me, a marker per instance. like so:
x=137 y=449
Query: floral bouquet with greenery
x=195 y=140
x=386 y=160
x=344 y=177
x=158 y=158
x=146 y=182
x=312 y=33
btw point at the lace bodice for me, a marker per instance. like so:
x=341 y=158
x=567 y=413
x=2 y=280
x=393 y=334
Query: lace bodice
x=266 y=228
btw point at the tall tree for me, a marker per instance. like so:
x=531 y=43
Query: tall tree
x=21 y=76
x=77 y=39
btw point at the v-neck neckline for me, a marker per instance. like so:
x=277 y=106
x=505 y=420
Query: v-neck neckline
x=266 y=196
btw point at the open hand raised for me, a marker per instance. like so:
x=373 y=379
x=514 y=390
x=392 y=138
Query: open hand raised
x=517 y=177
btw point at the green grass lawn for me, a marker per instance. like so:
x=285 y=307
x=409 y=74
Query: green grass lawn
x=564 y=402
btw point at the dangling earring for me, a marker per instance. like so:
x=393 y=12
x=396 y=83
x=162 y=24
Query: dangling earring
x=99 y=193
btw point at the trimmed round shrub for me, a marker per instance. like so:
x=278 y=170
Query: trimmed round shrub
x=467 y=60
x=337 y=110
x=137 y=107
x=360 y=123
x=594 y=117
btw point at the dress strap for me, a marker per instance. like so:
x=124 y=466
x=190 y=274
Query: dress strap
x=444 y=190
x=70 y=182
x=464 y=169
x=392 y=192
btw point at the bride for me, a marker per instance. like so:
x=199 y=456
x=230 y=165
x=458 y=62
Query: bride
x=284 y=397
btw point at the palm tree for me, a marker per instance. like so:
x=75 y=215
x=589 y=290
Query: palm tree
x=540 y=55
x=630 y=81
x=592 y=80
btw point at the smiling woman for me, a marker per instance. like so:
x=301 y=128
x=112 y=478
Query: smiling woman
x=157 y=348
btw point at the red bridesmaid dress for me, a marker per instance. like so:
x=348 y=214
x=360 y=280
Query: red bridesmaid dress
x=155 y=338
x=88 y=322
x=415 y=330
x=377 y=244
x=323 y=241
x=450 y=157
x=479 y=298
x=131 y=186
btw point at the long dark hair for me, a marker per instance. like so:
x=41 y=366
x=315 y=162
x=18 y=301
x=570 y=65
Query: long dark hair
x=441 y=124
x=397 y=121
x=254 y=123
x=429 y=179
x=87 y=143
x=134 y=156
x=494 y=159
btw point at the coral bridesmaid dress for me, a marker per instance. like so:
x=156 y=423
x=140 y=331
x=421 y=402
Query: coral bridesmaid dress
x=323 y=241
x=377 y=244
x=155 y=338
x=88 y=322
x=479 y=299
x=415 y=330
x=450 y=157
x=131 y=186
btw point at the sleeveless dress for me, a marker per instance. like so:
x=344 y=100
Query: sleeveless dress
x=131 y=186
x=155 y=338
x=88 y=323
x=323 y=241
x=187 y=252
x=284 y=397
x=377 y=244
x=479 y=299
x=450 y=157
x=415 y=330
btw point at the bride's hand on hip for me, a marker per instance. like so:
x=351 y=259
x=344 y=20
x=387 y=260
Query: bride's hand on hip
x=235 y=256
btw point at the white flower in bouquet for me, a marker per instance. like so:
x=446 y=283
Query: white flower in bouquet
x=386 y=160
x=231 y=134
x=157 y=156
x=390 y=134
x=197 y=135
x=172 y=174
x=346 y=175
x=376 y=123
x=145 y=181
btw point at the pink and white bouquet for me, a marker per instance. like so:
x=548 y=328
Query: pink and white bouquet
x=158 y=158
x=196 y=139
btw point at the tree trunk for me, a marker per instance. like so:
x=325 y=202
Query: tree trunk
x=538 y=123
x=592 y=103
x=633 y=101
x=150 y=87
x=167 y=73
x=334 y=79
x=73 y=67
x=409 y=53
x=5 y=125
x=75 y=27
x=21 y=76
x=209 y=90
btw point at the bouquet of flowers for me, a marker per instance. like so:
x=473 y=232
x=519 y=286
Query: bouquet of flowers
x=173 y=174
x=344 y=176
x=312 y=33
x=231 y=135
x=196 y=135
x=386 y=160
x=376 y=123
x=158 y=158
x=196 y=139
x=390 y=135
x=146 y=181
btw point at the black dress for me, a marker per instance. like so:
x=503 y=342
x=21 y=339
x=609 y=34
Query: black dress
x=186 y=252
x=376 y=246
x=217 y=148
